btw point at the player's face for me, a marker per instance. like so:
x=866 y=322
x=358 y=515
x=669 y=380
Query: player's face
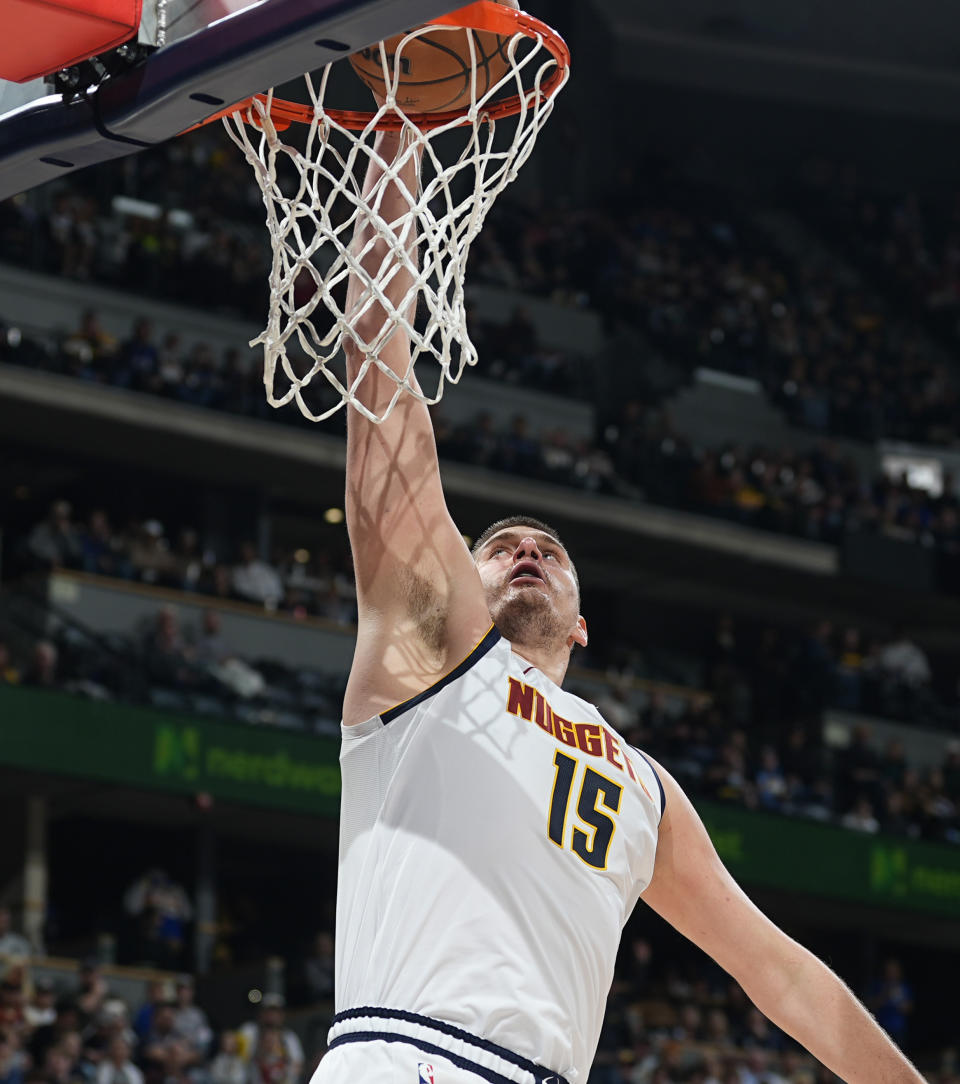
x=531 y=587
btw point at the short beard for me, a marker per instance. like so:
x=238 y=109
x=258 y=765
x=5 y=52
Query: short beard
x=529 y=619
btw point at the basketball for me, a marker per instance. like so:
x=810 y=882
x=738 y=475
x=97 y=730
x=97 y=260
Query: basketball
x=436 y=68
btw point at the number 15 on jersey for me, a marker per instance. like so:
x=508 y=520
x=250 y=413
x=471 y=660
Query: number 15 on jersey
x=597 y=798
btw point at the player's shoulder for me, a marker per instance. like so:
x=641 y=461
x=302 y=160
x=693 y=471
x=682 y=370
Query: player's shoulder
x=656 y=770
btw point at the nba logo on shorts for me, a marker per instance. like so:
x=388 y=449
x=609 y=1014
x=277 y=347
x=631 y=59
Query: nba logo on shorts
x=426 y=1074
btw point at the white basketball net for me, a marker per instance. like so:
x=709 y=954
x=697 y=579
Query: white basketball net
x=311 y=233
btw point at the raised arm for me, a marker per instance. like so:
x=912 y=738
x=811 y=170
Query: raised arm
x=693 y=891
x=421 y=606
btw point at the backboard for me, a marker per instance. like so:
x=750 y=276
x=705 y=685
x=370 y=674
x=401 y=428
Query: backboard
x=203 y=55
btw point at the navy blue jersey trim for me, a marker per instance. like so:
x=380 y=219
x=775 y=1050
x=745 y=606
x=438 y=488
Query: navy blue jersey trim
x=656 y=775
x=454 y=1032
x=491 y=638
x=429 y=1048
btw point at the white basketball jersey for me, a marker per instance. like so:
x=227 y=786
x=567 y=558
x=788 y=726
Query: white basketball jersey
x=495 y=836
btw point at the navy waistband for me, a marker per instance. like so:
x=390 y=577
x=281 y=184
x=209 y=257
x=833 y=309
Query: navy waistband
x=440 y=1031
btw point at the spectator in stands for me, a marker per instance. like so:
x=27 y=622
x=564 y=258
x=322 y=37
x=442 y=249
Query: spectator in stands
x=190 y=1021
x=718 y=1029
x=75 y=227
x=11 y=943
x=103 y=552
x=61 y=1063
x=137 y=360
x=41 y=671
x=904 y=661
x=167 y=656
x=218 y=581
x=770 y=781
x=163 y=910
x=55 y=542
x=90 y=344
x=189 y=562
x=41 y=1010
x=861 y=818
x=112 y=1021
x=271 y=1020
x=92 y=989
x=519 y=450
x=689 y=1027
x=150 y=555
x=13 y=1060
x=12 y=999
x=726 y=778
x=170 y=365
x=210 y=647
x=228 y=1067
x=116 y=1067
x=891 y=999
x=157 y=994
x=255 y=580
x=272 y=1061
x=161 y=1030
x=47 y=1037
x=164 y=1055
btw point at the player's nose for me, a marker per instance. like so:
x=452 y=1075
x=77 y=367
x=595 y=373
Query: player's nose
x=527 y=548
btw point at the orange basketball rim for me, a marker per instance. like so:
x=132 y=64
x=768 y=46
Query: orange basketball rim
x=484 y=15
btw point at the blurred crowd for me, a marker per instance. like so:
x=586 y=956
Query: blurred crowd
x=220 y=269
x=175 y=666
x=230 y=380
x=817 y=494
x=694 y=1025
x=84 y=1033
x=693 y=270
x=755 y=736
x=672 y=1017
x=909 y=242
x=303 y=583
x=864 y=786
x=882 y=676
x=688 y=266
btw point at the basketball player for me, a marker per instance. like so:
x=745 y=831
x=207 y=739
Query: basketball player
x=496 y=832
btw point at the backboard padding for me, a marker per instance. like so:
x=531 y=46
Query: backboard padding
x=213 y=57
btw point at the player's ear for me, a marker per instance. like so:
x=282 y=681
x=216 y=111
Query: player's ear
x=579 y=634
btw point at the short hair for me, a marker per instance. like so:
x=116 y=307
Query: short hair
x=522 y=521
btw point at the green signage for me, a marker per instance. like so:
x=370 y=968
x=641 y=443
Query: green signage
x=137 y=747
x=820 y=859
x=899 y=872
x=63 y=734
